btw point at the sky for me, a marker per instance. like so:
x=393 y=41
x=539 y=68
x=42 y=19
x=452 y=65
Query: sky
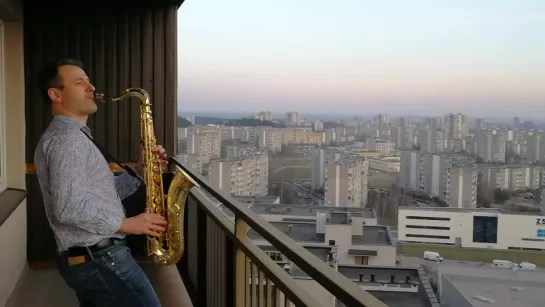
x=419 y=57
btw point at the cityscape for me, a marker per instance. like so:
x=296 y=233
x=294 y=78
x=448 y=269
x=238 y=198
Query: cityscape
x=407 y=199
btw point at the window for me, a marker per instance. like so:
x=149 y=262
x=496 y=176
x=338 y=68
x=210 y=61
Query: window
x=2 y=114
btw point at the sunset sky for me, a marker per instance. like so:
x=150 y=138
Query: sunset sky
x=483 y=57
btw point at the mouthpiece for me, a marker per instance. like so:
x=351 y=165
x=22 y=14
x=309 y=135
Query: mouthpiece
x=99 y=97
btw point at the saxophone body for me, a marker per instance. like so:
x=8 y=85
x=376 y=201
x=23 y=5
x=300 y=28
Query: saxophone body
x=169 y=247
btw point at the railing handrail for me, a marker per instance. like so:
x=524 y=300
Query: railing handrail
x=281 y=279
x=342 y=288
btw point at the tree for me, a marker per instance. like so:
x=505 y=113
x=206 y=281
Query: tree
x=500 y=196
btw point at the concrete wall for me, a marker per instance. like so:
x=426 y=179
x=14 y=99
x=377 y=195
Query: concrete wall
x=13 y=233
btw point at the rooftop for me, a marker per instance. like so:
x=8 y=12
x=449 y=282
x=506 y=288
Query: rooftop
x=298 y=231
x=503 y=291
x=383 y=275
x=373 y=235
x=310 y=210
x=469 y=210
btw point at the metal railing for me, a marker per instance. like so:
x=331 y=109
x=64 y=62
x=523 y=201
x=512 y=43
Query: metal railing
x=227 y=269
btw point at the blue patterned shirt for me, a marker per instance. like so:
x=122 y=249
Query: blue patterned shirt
x=81 y=195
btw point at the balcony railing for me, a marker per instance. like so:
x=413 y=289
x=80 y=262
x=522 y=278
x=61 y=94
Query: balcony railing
x=226 y=268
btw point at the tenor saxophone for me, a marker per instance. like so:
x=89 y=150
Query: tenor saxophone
x=168 y=248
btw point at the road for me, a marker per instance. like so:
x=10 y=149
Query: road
x=300 y=187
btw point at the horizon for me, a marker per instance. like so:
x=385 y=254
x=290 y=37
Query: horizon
x=479 y=58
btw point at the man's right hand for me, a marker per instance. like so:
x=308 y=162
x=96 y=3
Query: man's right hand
x=144 y=224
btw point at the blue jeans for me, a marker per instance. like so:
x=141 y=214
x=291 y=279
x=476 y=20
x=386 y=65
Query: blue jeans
x=113 y=278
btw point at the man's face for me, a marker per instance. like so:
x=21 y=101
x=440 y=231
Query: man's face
x=77 y=93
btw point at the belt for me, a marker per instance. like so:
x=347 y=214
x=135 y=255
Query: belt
x=88 y=251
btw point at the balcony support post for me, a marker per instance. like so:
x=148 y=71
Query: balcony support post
x=241 y=276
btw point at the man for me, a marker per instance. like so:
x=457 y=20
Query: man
x=82 y=199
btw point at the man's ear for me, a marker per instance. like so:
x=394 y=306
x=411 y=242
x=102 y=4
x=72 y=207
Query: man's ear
x=55 y=95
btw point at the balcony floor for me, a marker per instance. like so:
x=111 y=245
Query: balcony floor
x=46 y=288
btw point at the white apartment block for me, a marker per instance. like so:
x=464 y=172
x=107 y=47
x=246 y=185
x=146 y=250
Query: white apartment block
x=409 y=170
x=491 y=145
x=353 y=234
x=385 y=164
x=246 y=175
x=486 y=228
x=515 y=177
x=431 y=140
x=346 y=181
x=380 y=145
x=268 y=138
x=455 y=126
x=292 y=119
x=205 y=144
x=452 y=178
x=302 y=136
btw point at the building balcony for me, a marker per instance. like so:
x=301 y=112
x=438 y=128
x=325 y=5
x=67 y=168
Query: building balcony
x=221 y=266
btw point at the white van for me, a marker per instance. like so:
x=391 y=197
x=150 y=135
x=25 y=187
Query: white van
x=527 y=266
x=503 y=263
x=432 y=256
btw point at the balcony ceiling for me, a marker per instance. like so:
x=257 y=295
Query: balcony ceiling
x=11 y=10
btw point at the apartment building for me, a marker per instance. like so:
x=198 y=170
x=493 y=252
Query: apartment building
x=194 y=162
x=380 y=145
x=245 y=175
x=431 y=140
x=205 y=144
x=490 y=144
x=345 y=182
x=235 y=150
x=267 y=138
x=514 y=177
x=409 y=170
x=292 y=119
x=302 y=135
x=389 y=164
x=455 y=126
x=352 y=241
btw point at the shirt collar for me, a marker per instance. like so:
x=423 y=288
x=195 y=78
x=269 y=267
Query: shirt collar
x=71 y=122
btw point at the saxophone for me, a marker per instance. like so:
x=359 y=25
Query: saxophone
x=168 y=248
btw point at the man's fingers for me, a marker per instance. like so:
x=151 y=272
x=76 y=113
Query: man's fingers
x=152 y=233
x=157 y=228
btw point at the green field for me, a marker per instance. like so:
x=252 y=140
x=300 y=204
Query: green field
x=475 y=254
x=293 y=173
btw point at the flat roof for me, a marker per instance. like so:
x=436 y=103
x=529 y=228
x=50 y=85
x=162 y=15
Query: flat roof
x=309 y=210
x=470 y=210
x=383 y=275
x=298 y=231
x=373 y=235
x=504 y=292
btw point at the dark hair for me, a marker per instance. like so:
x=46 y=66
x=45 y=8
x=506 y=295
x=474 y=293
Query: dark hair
x=49 y=76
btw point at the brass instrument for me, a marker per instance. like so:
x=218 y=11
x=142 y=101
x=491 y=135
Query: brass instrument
x=169 y=247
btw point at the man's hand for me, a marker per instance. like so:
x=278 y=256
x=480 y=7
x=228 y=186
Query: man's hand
x=144 y=224
x=159 y=150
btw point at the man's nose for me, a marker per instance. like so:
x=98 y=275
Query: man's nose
x=91 y=88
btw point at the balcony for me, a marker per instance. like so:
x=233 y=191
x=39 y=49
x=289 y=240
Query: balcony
x=221 y=265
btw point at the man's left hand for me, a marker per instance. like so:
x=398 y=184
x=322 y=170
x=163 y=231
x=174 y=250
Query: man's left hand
x=163 y=158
